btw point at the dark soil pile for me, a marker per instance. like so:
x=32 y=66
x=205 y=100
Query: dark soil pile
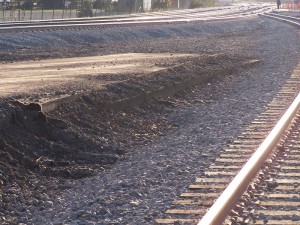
x=80 y=138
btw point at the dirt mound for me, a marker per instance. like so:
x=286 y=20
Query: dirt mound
x=79 y=138
x=96 y=129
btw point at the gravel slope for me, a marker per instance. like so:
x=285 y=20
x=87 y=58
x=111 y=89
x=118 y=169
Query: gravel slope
x=141 y=185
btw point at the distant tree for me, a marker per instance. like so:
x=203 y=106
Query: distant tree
x=28 y=5
x=73 y=4
x=84 y=8
x=51 y=4
x=99 y=4
x=196 y=4
x=159 y=4
x=131 y=5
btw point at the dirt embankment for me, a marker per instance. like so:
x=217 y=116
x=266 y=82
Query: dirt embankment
x=91 y=133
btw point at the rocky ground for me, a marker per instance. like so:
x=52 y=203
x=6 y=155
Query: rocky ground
x=88 y=163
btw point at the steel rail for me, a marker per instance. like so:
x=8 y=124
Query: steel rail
x=188 y=12
x=155 y=21
x=90 y=25
x=225 y=203
x=165 y=19
x=101 y=20
x=112 y=18
x=291 y=20
x=285 y=16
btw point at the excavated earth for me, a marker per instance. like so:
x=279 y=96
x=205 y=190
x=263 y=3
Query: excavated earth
x=147 y=109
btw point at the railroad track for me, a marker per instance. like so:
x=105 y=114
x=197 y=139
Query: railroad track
x=284 y=18
x=183 y=16
x=256 y=180
x=280 y=175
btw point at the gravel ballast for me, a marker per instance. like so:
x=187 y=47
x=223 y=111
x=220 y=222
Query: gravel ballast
x=196 y=124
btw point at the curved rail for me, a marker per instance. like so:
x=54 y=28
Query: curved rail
x=287 y=19
x=194 y=203
x=224 y=204
x=132 y=17
x=153 y=18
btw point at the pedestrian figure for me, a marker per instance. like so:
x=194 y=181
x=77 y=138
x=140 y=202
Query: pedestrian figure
x=278 y=4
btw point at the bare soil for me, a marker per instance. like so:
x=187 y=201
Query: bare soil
x=28 y=76
x=38 y=150
x=82 y=137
